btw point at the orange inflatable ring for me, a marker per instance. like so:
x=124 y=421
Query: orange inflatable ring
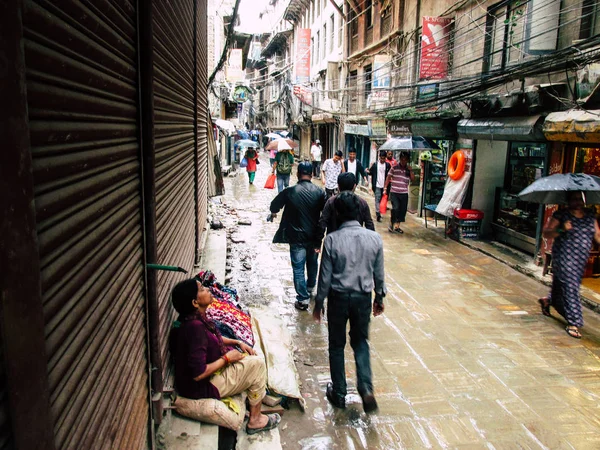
x=456 y=165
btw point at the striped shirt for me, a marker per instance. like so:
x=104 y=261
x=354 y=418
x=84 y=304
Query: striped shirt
x=400 y=179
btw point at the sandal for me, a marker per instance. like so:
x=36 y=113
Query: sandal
x=391 y=229
x=273 y=421
x=399 y=230
x=545 y=305
x=573 y=332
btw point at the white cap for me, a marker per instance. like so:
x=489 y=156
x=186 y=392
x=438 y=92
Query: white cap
x=318 y=141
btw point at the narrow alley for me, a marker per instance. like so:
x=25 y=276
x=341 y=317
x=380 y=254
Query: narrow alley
x=462 y=356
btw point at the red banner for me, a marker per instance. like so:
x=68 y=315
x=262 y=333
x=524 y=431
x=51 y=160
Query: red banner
x=302 y=63
x=435 y=48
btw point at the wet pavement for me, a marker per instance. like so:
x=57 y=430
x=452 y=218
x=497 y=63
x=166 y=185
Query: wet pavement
x=462 y=356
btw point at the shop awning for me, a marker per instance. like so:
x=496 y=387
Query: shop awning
x=503 y=128
x=434 y=128
x=225 y=125
x=573 y=126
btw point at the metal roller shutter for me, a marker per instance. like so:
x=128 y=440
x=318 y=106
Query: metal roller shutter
x=174 y=150
x=6 y=442
x=203 y=119
x=82 y=98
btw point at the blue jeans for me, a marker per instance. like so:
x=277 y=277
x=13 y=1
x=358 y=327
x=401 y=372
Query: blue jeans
x=378 y=195
x=304 y=255
x=357 y=309
x=283 y=181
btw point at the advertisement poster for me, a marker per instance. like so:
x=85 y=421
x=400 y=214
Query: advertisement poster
x=302 y=64
x=304 y=94
x=234 y=66
x=382 y=79
x=435 y=48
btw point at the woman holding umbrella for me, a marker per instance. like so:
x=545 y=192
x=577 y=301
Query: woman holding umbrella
x=252 y=157
x=573 y=229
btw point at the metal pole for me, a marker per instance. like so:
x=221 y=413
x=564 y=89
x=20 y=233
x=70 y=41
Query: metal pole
x=21 y=315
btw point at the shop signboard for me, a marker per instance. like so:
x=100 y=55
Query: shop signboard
x=382 y=79
x=356 y=128
x=234 y=72
x=304 y=93
x=588 y=78
x=434 y=47
x=240 y=94
x=377 y=128
x=400 y=128
x=302 y=64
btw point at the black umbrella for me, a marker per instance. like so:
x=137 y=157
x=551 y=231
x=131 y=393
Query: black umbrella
x=409 y=143
x=555 y=189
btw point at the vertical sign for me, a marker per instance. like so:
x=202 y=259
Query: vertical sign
x=382 y=79
x=434 y=47
x=234 y=67
x=302 y=63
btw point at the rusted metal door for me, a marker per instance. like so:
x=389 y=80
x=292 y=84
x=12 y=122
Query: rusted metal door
x=175 y=161
x=6 y=441
x=83 y=109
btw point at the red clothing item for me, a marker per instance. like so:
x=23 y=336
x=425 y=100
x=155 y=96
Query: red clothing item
x=251 y=157
x=194 y=347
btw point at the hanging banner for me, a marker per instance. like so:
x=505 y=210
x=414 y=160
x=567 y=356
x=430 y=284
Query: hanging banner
x=234 y=71
x=382 y=79
x=302 y=63
x=434 y=47
x=304 y=94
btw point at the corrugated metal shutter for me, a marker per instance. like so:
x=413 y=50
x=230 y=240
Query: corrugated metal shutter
x=6 y=441
x=174 y=144
x=203 y=118
x=82 y=98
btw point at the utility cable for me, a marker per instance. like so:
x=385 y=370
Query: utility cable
x=230 y=29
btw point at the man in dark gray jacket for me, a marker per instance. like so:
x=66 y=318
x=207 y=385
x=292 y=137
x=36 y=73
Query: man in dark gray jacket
x=351 y=269
x=299 y=227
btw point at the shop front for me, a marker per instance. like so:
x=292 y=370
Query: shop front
x=431 y=173
x=510 y=154
x=325 y=130
x=357 y=137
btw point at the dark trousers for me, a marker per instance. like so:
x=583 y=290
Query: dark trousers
x=357 y=309
x=400 y=204
x=316 y=168
x=330 y=193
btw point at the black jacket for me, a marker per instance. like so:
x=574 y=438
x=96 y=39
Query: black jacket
x=373 y=173
x=360 y=170
x=302 y=205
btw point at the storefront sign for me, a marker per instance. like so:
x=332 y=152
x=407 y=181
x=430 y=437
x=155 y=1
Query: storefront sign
x=428 y=92
x=400 y=128
x=377 y=128
x=434 y=47
x=322 y=117
x=304 y=93
x=302 y=64
x=382 y=79
x=355 y=128
x=234 y=72
x=240 y=94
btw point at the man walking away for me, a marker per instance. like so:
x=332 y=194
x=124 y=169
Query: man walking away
x=379 y=171
x=315 y=155
x=284 y=161
x=399 y=177
x=351 y=268
x=328 y=220
x=299 y=227
x=330 y=171
x=354 y=166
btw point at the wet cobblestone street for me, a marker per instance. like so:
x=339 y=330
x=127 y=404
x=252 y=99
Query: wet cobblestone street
x=462 y=356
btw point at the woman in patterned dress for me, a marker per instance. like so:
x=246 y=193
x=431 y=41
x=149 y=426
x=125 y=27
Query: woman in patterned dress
x=573 y=229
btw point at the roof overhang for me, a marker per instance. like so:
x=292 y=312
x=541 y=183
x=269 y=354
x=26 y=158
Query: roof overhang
x=276 y=42
x=573 y=126
x=295 y=9
x=527 y=129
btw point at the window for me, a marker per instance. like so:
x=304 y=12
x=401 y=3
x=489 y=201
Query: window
x=312 y=51
x=331 y=32
x=318 y=48
x=352 y=91
x=340 y=32
x=517 y=29
x=353 y=23
x=590 y=19
x=369 y=13
x=324 y=40
x=368 y=79
x=318 y=2
x=386 y=21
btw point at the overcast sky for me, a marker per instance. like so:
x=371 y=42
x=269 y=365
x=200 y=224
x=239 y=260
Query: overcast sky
x=249 y=16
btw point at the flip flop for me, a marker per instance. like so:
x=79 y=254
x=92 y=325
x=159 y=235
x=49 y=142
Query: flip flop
x=274 y=420
x=399 y=230
x=573 y=332
x=545 y=305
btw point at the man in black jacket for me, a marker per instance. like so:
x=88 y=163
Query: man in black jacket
x=379 y=171
x=354 y=166
x=299 y=227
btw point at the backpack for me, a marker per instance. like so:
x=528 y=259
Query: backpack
x=284 y=165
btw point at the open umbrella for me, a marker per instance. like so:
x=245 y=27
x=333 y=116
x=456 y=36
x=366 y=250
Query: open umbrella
x=247 y=143
x=409 y=143
x=554 y=190
x=275 y=145
x=243 y=134
x=273 y=136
